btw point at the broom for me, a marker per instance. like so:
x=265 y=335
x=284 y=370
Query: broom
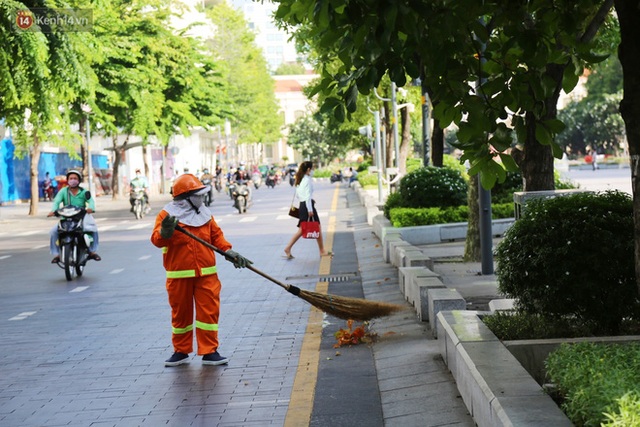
x=342 y=307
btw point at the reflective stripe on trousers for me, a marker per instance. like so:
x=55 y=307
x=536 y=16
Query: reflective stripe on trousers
x=199 y=325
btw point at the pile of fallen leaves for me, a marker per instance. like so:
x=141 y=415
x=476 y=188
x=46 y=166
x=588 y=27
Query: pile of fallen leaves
x=351 y=336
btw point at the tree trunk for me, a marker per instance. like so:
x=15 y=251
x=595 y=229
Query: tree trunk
x=437 y=145
x=388 y=127
x=34 y=160
x=629 y=55
x=83 y=152
x=405 y=117
x=537 y=159
x=536 y=164
x=472 y=250
x=118 y=153
x=144 y=160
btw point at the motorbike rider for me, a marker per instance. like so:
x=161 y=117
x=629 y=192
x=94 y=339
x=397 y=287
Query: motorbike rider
x=47 y=187
x=74 y=195
x=218 y=181
x=139 y=182
x=242 y=177
x=207 y=179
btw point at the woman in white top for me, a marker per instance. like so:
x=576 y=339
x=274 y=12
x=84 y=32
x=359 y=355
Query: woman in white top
x=304 y=192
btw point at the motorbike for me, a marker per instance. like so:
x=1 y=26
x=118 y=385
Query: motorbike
x=208 y=198
x=271 y=181
x=241 y=196
x=139 y=206
x=74 y=241
x=218 y=184
x=336 y=177
x=292 y=177
x=48 y=191
x=256 y=178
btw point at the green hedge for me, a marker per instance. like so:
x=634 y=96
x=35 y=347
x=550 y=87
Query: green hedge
x=411 y=217
x=599 y=382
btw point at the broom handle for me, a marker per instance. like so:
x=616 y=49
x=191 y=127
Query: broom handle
x=227 y=257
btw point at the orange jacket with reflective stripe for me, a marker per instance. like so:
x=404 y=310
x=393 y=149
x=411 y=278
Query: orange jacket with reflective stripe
x=182 y=253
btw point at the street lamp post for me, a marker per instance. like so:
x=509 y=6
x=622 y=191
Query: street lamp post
x=87 y=110
x=396 y=151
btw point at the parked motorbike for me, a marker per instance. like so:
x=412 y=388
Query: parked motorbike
x=336 y=177
x=74 y=241
x=208 y=197
x=139 y=207
x=241 y=196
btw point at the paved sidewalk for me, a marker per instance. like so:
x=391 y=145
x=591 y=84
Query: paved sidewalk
x=415 y=385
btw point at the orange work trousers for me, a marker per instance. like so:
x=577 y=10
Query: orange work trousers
x=204 y=292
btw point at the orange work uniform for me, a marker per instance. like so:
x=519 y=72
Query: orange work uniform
x=192 y=277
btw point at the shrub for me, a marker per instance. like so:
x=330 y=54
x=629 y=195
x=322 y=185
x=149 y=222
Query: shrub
x=503 y=192
x=572 y=256
x=394 y=200
x=628 y=412
x=449 y=161
x=595 y=379
x=413 y=164
x=411 y=217
x=322 y=173
x=367 y=179
x=433 y=187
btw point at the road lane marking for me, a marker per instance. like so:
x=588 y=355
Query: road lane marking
x=28 y=233
x=40 y=247
x=116 y=271
x=283 y=217
x=23 y=315
x=5 y=256
x=79 y=289
x=107 y=227
x=142 y=258
x=248 y=219
x=139 y=226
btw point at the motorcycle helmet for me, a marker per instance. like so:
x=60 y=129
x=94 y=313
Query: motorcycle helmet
x=186 y=185
x=76 y=172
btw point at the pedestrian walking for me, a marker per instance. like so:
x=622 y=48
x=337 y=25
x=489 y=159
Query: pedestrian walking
x=307 y=209
x=192 y=277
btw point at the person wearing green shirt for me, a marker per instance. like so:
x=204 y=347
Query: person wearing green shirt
x=74 y=195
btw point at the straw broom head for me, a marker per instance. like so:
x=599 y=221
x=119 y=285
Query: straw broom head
x=346 y=307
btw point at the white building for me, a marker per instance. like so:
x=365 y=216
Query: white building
x=274 y=42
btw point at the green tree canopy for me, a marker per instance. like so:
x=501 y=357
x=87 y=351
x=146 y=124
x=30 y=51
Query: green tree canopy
x=252 y=107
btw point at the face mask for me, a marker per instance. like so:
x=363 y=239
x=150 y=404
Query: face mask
x=197 y=201
x=311 y=173
x=73 y=182
x=137 y=175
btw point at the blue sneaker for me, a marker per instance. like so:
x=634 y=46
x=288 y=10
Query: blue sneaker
x=214 y=359
x=177 y=359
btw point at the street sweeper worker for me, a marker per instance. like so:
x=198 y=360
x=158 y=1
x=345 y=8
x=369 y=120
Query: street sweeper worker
x=191 y=270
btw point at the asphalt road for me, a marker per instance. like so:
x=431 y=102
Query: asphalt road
x=601 y=179
x=91 y=351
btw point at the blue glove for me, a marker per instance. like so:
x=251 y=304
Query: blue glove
x=238 y=260
x=168 y=226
